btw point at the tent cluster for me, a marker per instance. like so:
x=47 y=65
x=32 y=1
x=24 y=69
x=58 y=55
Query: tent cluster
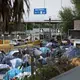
x=18 y=62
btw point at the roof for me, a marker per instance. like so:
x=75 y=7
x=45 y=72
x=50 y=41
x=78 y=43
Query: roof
x=73 y=74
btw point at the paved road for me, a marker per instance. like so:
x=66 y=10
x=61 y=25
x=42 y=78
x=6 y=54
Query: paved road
x=73 y=74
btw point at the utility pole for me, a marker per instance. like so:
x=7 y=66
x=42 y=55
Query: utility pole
x=44 y=3
x=49 y=27
x=32 y=61
x=61 y=4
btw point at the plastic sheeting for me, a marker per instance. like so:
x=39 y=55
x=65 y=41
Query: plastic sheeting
x=2 y=55
x=27 y=69
x=72 y=52
x=16 y=62
x=58 y=52
x=13 y=52
x=45 y=50
x=4 y=68
x=44 y=43
x=11 y=74
x=49 y=44
x=6 y=60
x=37 y=52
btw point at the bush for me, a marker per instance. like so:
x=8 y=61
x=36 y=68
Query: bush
x=45 y=73
x=49 y=71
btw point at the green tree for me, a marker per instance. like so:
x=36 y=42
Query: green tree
x=77 y=8
x=29 y=26
x=67 y=17
x=5 y=13
x=12 y=10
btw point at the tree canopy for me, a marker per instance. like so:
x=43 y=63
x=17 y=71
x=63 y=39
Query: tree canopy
x=12 y=10
x=77 y=8
x=66 y=16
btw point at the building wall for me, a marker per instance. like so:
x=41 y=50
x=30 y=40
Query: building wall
x=77 y=25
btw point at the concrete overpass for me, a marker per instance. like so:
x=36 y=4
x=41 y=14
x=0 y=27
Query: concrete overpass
x=45 y=21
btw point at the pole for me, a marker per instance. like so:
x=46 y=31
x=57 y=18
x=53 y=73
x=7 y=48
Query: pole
x=2 y=38
x=44 y=3
x=61 y=4
x=39 y=32
x=26 y=29
x=49 y=27
x=32 y=63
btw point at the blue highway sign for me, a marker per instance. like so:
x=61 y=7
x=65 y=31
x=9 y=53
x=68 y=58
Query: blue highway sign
x=40 y=11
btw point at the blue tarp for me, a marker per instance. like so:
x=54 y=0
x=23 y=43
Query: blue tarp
x=45 y=50
x=11 y=74
x=44 y=43
x=16 y=62
x=27 y=69
x=2 y=55
x=4 y=68
x=12 y=52
x=72 y=52
x=44 y=61
x=6 y=60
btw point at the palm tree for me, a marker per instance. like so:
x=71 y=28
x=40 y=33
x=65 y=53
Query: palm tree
x=12 y=10
x=5 y=10
x=18 y=9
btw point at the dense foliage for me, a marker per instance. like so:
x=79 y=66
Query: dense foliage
x=49 y=71
x=12 y=10
x=68 y=16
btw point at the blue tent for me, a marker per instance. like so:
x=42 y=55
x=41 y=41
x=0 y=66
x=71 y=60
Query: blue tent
x=44 y=43
x=6 y=60
x=11 y=74
x=44 y=61
x=45 y=50
x=2 y=55
x=27 y=69
x=4 y=68
x=13 y=52
x=72 y=53
x=16 y=62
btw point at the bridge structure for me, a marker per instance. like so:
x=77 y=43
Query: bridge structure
x=53 y=27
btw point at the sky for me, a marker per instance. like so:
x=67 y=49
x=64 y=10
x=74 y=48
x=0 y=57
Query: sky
x=52 y=6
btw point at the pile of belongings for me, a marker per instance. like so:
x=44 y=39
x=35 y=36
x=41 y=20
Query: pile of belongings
x=75 y=61
x=45 y=51
x=18 y=69
x=72 y=52
x=17 y=73
x=52 y=44
x=21 y=66
x=66 y=44
x=4 y=68
x=11 y=74
x=17 y=53
x=58 y=52
x=43 y=43
x=18 y=62
x=10 y=63
x=2 y=55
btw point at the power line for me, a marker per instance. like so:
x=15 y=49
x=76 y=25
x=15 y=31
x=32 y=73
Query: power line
x=61 y=4
x=44 y=3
